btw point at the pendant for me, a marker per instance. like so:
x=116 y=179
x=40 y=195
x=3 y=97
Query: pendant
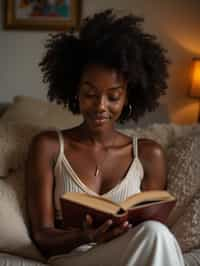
x=97 y=171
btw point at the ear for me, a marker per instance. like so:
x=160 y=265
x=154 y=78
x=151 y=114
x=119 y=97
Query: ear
x=125 y=87
x=126 y=99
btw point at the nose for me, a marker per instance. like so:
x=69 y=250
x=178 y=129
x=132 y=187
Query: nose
x=101 y=104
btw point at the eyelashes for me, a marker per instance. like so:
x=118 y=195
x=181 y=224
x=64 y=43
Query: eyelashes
x=110 y=97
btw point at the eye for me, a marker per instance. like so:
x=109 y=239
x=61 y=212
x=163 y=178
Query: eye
x=114 y=97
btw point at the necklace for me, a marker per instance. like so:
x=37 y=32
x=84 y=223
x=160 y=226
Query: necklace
x=100 y=165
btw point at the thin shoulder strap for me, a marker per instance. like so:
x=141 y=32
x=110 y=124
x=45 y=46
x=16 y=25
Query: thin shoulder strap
x=57 y=168
x=135 y=146
x=61 y=141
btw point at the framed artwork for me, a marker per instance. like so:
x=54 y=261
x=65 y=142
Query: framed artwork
x=42 y=14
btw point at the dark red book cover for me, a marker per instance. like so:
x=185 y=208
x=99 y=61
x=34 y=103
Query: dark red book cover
x=158 y=211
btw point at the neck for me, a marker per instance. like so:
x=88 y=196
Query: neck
x=98 y=137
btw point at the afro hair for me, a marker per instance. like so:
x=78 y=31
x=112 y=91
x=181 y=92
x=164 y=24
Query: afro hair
x=114 y=42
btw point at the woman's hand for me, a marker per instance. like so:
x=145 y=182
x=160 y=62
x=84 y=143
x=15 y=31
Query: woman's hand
x=104 y=232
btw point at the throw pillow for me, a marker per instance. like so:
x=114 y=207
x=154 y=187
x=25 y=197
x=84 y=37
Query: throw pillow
x=184 y=184
x=183 y=173
x=14 y=233
x=187 y=227
x=26 y=109
x=14 y=143
x=161 y=133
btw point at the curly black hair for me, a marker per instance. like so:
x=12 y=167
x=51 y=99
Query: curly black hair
x=114 y=42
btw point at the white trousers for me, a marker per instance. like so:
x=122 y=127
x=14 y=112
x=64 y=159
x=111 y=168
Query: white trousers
x=148 y=244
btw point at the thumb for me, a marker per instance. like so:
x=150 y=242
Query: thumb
x=89 y=219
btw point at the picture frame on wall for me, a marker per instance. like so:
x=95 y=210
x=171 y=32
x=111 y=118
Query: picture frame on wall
x=51 y=15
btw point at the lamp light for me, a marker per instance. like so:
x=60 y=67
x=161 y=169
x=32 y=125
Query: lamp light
x=195 y=81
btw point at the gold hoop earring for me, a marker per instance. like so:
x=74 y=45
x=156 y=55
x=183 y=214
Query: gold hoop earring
x=130 y=110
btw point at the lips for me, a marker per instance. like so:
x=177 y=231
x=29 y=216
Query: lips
x=99 y=119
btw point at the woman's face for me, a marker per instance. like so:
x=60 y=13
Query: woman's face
x=102 y=96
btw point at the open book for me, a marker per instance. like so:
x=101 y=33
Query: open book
x=147 y=205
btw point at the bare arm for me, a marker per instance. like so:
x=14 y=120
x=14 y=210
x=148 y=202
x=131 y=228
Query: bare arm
x=154 y=164
x=50 y=240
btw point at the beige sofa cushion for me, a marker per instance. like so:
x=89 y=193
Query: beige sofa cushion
x=26 y=109
x=183 y=160
x=14 y=142
x=14 y=235
x=184 y=183
x=187 y=227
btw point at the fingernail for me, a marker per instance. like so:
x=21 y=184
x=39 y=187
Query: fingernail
x=130 y=226
x=110 y=222
x=125 y=223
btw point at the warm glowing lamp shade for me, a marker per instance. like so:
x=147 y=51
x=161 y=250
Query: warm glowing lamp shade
x=195 y=81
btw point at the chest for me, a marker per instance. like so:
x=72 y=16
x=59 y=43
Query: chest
x=100 y=170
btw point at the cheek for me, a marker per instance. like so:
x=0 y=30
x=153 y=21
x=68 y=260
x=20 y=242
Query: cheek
x=121 y=103
x=118 y=107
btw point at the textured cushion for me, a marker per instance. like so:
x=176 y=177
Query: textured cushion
x=187 y=227
x=183 y=160
x=164 y=134
x=184 y=183
x=14 y=142
x=14 y=236
x=27 y=109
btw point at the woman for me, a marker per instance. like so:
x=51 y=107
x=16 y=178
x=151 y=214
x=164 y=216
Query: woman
x=111 y=72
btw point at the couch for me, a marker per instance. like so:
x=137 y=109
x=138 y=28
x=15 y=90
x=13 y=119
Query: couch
x=26 y=116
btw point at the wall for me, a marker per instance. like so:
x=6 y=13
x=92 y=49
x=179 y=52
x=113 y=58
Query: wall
x=175 y=22
x=20 y=52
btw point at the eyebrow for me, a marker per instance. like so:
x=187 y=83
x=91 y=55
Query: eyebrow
x=112 y=88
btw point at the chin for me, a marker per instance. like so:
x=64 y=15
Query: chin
x=100 y=124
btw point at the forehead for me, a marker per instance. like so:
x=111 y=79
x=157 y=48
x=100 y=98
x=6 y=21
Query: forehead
x=100 y=76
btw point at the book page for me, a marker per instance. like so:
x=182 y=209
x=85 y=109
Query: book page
x=96 y=202
x=146 y=197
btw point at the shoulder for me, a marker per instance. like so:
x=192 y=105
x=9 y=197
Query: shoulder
x=154 y=164
x=44 y=138
x=44 y=143
x=150 y=149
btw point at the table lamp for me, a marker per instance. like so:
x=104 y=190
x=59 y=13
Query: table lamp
x=194 y=90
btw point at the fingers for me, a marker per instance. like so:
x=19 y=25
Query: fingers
x=96 y=234
x=112 y=233
x=105 y=232
x=119 y=229
x=89 y=219
x=104 y=227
